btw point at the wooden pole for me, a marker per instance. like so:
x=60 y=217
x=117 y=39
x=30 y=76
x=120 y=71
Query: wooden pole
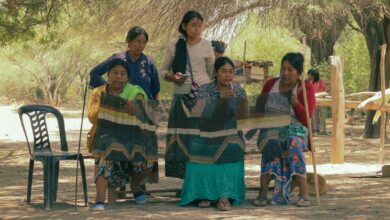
x=308 y=120
x=244 y=56
x=338 y=110
x=78 y=147
x=383 y=115
x=244 y=64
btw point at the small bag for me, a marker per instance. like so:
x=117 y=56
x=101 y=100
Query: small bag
x=194 y=90
x=191 y=97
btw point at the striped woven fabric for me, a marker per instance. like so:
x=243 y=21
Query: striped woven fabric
x=125 y=131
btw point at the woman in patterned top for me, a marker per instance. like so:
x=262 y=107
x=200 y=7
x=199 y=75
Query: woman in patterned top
x=220 y=179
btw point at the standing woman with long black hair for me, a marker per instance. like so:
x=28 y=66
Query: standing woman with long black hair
x=188 y=63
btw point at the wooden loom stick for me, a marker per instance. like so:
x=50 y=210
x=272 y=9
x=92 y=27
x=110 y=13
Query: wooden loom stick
x=308 y=120
x=383 y=115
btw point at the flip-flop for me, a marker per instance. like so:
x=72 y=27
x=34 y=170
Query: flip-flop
x=204 y=204
x=303 y=202
x=260 y=202
x=224 y=205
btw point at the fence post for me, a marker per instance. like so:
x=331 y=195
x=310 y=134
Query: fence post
x=383 y=115
x=338 y=109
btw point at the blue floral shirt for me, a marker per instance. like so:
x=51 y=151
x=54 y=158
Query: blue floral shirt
x=142 y=72
x=210 y=90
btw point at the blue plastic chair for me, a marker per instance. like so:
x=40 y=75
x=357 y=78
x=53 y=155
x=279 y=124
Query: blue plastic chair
x=41 y=150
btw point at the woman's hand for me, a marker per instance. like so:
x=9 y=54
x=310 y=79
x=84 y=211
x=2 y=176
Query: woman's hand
x=179 y=78
x=294 y=100
x=130 y=107
x=139 y=96
x=227 y=93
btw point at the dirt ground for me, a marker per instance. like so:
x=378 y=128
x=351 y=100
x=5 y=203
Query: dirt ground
x=352 y=194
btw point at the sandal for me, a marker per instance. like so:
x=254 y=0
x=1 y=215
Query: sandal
x=260 y=202
x=303 y=202
x=139 y=197
x=204 y=204
x=224 y=204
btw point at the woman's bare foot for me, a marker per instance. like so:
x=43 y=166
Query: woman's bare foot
x=224 y=204
x=204 y=203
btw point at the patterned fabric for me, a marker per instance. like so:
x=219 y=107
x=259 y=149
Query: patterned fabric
x=214 y=127
x=125 y=142
x=125 y=131
x=282 y=148
x=211 y=91
x=299 y=109
x=175 y=158
x=119 y=173
x=222 y=177
x=142 y=72
x=284 y=168
x=129 y=92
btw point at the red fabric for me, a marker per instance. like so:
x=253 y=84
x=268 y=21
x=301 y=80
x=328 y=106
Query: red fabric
x=319 y=86
x=299 y=109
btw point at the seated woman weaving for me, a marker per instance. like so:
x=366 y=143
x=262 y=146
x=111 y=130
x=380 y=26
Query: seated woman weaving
x=114 y=173
x=282 y=147
x=215 y=166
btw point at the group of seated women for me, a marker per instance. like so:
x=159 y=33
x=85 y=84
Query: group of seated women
x=204 y=144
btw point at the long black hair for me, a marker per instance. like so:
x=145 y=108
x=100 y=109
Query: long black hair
x=179 y=63
x=188 y=16
x=296 y=60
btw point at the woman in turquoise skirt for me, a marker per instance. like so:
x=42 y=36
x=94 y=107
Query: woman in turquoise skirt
x=215 y=169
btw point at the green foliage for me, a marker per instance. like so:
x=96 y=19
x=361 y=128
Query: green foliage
x=270 y=43
x=18 y=19
x=89 y=31
x=263 y=43
x=352 y=47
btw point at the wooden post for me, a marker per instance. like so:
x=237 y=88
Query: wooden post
x=383 y=115
x=308 y=120
x=244 y=62
x=338 y=109
x=244 y=56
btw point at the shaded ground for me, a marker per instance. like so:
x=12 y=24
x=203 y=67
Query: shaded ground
x=348 y=197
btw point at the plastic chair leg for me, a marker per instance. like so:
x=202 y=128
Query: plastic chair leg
x=29 y=181
x=84 y=180
x=56 y=173
x=52 y=171
x=47 y=184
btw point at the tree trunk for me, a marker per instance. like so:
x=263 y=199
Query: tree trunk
x=321 y=50
x=374 y=39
